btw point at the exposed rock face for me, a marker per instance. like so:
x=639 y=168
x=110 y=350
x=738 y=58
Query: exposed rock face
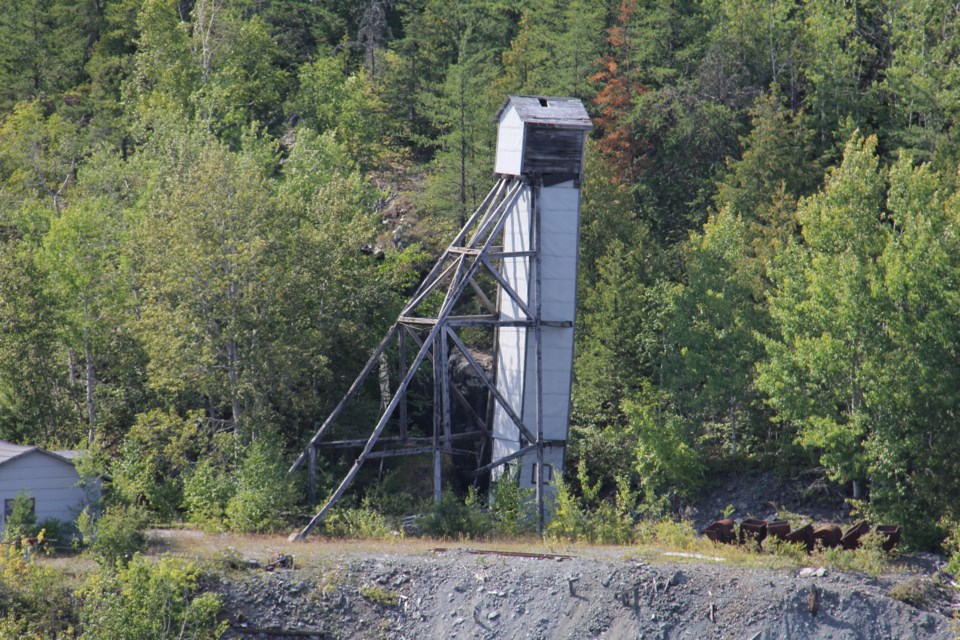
x=458 y=594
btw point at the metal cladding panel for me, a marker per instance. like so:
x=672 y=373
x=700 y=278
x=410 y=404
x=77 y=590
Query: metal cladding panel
x=552 y=460
x=512 y=341
x=509 y=142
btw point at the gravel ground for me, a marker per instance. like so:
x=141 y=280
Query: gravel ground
x=458 y=593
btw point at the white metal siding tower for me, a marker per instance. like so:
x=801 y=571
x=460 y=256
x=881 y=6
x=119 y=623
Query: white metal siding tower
x=540 y=140
x=523 y=240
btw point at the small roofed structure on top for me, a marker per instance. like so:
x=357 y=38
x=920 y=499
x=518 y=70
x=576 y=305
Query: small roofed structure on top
x=48 y=478
x=542 y=135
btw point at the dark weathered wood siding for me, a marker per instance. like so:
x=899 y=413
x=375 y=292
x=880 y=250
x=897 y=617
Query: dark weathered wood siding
x=550 y=150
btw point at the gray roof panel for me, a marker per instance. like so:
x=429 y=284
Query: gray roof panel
x=549 y=110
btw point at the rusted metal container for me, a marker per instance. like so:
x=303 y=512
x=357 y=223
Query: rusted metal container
x=828 y=535
x=753 y=529
x=778 y=529
x=721 y=531
x=851 y=539
x=803 y=535
x=891 y=534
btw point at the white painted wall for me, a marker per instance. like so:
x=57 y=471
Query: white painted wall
x=516 y=355
x=50 y=481
x=512 y=341
x=509 y=142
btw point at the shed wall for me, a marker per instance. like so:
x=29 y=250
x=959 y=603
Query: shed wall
x=509 y=143
x=51 y=482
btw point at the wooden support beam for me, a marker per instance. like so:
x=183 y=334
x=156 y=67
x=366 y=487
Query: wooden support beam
x=371 y=363
x=538 y=337
x=505 y=459
x=312 y=473
x=482 y=296
x=493 y=389
x=415 y=451
x=402 y=357
x=445 y=386
x=437 y=419
x=505 y=286
x=359 y=442
x=496 y=255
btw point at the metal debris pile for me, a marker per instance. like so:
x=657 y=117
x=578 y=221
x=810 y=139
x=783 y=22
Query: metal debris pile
x=828 y=536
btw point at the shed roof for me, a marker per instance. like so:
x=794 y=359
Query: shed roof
x=549 y=110
x=10 y=451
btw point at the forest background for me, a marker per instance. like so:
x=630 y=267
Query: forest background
x=194 y=260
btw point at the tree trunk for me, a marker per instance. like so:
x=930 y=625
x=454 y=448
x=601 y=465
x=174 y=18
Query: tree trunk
x=91 y=379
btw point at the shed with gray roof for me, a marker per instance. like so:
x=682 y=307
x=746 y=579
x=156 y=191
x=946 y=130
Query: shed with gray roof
x=48 y=477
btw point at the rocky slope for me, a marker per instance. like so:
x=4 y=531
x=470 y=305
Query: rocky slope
x=458 y=593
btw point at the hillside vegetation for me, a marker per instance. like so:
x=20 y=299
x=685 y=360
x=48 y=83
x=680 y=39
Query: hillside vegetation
x=211 y=210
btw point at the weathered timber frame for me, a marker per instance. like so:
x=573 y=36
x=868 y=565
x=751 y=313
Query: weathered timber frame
x=473 y=252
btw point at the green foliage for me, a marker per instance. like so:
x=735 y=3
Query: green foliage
x=511 y=507
x=357 y=523
x=149 y=601
x=380 y=596
x=952 y=547
x=115 y=535
x=153 y=459
x=453 y=518
x=36 y=600
x=265 y=495
x=206 y=494
x=22 y=520
x=666 y=456
x=589 y=518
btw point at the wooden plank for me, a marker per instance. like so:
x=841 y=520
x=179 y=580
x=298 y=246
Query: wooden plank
x=374 y=359
x=359 y=442
x=312 y=474
x=484 y=300
x=457 y=393
x=415 y=451
x=509 y=289
x=437 y=383
x=505 y=459
x=445 y=386
x=497 y=255
x=402 y=357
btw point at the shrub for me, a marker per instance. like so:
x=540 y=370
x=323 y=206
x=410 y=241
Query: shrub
x=380 y=596
x=34 y=599
x=115 y=536
x=568 y=521
x=206 y=494
x=511 y=507
x=952 y=547
x=153 y=460
x=356 y=522
x=453 y=518
x=22 y=521
x=149 y=601
x=264 y=493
